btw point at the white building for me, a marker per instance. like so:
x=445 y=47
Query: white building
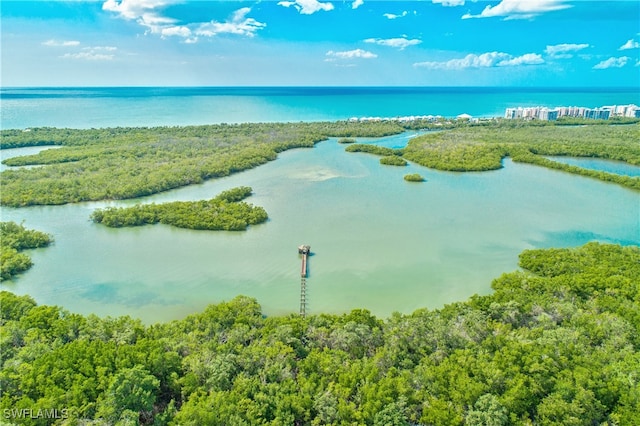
x=544 y=113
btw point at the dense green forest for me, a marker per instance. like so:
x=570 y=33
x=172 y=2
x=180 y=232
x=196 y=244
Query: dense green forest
x=14 y=239
x=483 y=147
x=120 y=163
x=556 y=343
x=447 y=123
x=224 y=212
x=15 y=138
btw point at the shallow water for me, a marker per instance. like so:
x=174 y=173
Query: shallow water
x=378 y=242
x=610 y=166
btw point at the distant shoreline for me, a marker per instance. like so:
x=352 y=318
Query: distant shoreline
x=146 y=106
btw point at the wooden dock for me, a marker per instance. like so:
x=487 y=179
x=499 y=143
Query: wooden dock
x=304 y=250
x=303 y=270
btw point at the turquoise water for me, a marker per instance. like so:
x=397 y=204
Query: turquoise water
x=152 y=106
x=610 y=166
x=379 y=242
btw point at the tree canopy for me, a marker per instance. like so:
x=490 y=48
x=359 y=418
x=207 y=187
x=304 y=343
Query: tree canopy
x=122 y=163
x=557 y=342
x=483 y=146
x=414 y=177
x=224 y=212
x=14 y=239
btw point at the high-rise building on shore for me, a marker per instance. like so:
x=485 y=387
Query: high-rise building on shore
x=547 y=114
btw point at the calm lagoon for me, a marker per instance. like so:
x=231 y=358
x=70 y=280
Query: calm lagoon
x=609 y=166
x=379 y=242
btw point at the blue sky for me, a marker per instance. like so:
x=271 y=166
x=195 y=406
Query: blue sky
x=320 y=43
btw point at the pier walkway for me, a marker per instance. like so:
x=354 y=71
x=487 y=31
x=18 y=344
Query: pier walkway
x=304 y=250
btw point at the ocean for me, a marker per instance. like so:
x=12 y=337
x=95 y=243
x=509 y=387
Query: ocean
x=92 y=107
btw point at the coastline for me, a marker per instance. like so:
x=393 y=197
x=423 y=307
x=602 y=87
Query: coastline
x=97 y=107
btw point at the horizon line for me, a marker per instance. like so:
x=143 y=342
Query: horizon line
x=310 y=87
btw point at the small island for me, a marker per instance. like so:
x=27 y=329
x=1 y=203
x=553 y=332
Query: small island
x=373 y=149
x=14 y=239
x=346 y=140
x=393 y=160
x=226 y=212
x=414 y=177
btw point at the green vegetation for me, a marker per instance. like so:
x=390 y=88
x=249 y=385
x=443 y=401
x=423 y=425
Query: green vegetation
x=528 y=157
x=576 y=121
x=121 y=163
x=444 y=123
x=483 y=146
x=459 y=156
x=556 y=343
x=414 y=177
x=346 y=140
x=15 y=238
x=393 y=160
x=373 y=149
x=224 y=212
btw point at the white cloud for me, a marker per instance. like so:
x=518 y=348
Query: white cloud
x=519 y=9
x=630 y=44
x=148 y=14
x=133 y=9
x=93 y=54
x=564 y=50
x=142 y=11
x=526 y=59
x=89 y=56
x=400 y=43
x=484 y=60
x=307 y=7
x=238 y=24
x=357 y=3
x=105 y=48
x=449 y=2
x=392 y=16
x=470 y=61
x=89 y=53
x=612 y=62
x=180 y=31
x=56 y=43
x=351 y=54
